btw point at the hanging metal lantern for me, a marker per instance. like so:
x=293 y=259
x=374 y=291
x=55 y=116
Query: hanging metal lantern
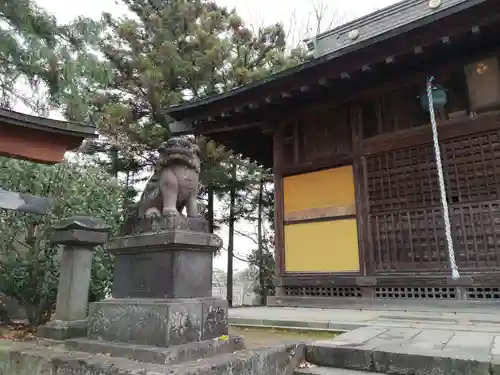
x=439 y=98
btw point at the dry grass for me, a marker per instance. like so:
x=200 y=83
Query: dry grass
x=17 y=332
x=261 y=337
x=254 y=337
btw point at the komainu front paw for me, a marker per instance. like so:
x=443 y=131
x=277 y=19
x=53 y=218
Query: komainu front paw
x=152 y=213
x=167 y=211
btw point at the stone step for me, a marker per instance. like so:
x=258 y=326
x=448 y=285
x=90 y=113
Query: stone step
x=407 y=350
x=152 y=354
x=36 y=359
x=320 y=370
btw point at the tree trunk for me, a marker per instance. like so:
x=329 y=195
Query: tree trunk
x=114 y=161
x=260 y=239
x=210 y=205
x=230 y=244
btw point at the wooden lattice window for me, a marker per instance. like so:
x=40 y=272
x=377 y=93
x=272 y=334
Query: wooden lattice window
x=402 y=179
x=472 y=166
x=406 y=224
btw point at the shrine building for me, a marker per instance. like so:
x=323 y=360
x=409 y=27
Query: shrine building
x=348 y=137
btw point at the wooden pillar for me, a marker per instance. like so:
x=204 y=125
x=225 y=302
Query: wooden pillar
x=279 y=247
x=356 y=122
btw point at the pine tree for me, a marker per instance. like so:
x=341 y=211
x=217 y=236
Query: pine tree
x=49 y=58
x=169 y=52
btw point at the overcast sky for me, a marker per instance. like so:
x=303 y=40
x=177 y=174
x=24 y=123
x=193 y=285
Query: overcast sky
x=251 y=10
x=296 y=15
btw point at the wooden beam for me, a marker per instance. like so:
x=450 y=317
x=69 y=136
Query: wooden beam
x=208 y=128
x=182 y=127
x=22 y=202
x=35 y=145
x=412 y=137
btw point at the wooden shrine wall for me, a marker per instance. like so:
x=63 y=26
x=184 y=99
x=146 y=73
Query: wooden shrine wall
x=316 y=138
x=405 y=220
x=316 y=196
x=387 y=141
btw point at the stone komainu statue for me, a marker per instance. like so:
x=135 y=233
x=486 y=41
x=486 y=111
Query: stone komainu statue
x=174 y=184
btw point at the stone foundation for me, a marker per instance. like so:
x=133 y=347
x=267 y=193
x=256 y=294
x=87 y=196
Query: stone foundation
x=160 y=323
x=162 y=356
x=62 y=330
x=33 y=359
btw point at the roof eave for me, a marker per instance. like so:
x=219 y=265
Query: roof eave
x=178 y=111
x=47 y=125
x=181 y=128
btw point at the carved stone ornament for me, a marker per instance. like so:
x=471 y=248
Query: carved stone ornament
x=434 y=4
x=172 y=188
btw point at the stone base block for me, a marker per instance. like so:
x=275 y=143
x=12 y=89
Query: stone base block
x=62 y=330
x=162 y=356
x=166 y=264
x=162 y=322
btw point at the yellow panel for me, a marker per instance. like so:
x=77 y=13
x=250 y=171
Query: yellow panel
x=322 y=246
x=326 y=188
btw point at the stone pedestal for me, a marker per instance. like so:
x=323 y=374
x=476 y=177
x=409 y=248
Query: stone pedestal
x=167 y=264
x=162 y=291
x=78 y=234
x=158 y=322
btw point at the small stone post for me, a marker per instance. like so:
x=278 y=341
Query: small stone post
x=79 y=234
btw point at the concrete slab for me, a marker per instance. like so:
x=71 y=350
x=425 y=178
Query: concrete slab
x=481 y=319
x=429 y=340
x=471 y=341
x=319 y=370
x=409 y=351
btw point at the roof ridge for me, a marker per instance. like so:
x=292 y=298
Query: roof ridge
x=370 y=17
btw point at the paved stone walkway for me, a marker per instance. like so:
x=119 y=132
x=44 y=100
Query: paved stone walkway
x=479 y=319
x=409 y=351
x=417 y=341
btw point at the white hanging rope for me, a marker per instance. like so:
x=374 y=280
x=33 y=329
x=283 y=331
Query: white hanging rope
x=449 y=242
